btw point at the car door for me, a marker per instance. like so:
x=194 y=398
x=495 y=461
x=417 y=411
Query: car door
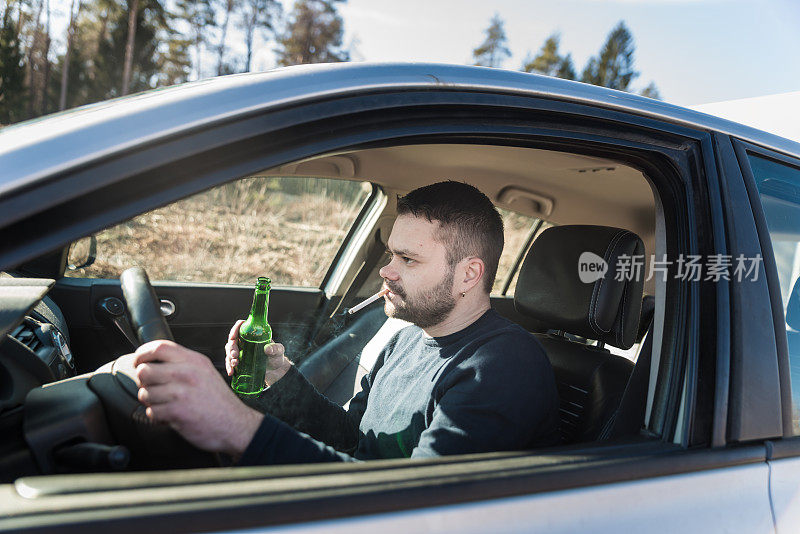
x=774 y=181
x=203 y=255
x=702 y=440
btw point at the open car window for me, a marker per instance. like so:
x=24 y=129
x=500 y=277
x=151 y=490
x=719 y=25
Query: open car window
x=288 y=227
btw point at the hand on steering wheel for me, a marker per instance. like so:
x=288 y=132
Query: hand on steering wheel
x=182 y=388
x=117 y=385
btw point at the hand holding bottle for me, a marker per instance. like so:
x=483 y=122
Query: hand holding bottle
x=277 y=363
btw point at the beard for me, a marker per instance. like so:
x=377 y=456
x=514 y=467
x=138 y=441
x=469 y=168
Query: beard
x=425 y=308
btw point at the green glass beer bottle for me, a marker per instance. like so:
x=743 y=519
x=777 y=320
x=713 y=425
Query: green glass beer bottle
x=254 y=335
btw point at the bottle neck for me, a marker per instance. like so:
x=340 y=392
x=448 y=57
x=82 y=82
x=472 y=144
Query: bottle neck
x=258 y=312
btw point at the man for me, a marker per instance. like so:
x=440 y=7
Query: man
x=462 y=379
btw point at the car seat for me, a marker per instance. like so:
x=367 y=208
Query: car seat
x=590 y=379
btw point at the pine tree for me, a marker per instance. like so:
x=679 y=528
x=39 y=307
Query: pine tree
x=173 y=63
x=34 y=63
x=44 y=98
x=65 y=62
x=133 y=15
x=257 y=15
x=651 y=91
x=93 y=68
x=548 y=61
x=493 y=51
x=12 y=71
x=108 y=62
x=136 y=10
x=199 y=14
x=314 y=34
x=88 y=79
x=566 y=69
x=614 y=66
x=548 y=58
x=229 y=6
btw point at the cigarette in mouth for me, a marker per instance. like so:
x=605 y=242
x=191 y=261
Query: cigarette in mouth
x=367 y=302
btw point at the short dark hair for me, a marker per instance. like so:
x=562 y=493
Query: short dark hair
x=469 y=223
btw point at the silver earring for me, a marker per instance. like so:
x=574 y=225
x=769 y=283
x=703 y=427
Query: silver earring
x=463 y=294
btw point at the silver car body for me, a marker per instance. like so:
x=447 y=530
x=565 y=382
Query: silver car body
x=36 y=149
x=751 y=498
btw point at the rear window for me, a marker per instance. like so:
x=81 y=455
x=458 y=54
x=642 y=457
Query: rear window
x=516 y=232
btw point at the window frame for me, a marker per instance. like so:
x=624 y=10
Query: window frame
x=743 y=151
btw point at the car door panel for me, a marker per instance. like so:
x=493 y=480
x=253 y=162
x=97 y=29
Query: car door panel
x=202 y=319
x=638 y=487
x=204 y=315
x=785 y=493
x=721 y=500
x=784 y=487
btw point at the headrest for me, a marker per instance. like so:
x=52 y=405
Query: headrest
x=793 y=307
x=550 y=286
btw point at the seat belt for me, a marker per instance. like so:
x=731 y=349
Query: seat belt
x=333 y=323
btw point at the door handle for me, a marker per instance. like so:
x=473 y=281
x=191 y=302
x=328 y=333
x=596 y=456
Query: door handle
x=167 y=308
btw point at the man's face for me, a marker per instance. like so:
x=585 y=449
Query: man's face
x=419 y=277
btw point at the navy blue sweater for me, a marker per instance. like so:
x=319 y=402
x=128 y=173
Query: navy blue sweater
x=488 y=387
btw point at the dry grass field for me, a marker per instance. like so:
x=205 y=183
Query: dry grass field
x=286 y=228
x=235 y=233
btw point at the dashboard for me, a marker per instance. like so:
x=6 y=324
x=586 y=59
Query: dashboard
x=34 y=347
x=47 y=342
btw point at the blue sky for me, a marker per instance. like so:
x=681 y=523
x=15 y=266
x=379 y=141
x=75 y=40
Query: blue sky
x=696 y=51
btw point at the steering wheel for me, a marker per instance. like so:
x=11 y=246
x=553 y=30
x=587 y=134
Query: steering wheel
x=143 y=306
x=151 y=444
x=75 y=424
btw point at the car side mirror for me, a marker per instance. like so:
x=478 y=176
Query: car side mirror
x=82 y=253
